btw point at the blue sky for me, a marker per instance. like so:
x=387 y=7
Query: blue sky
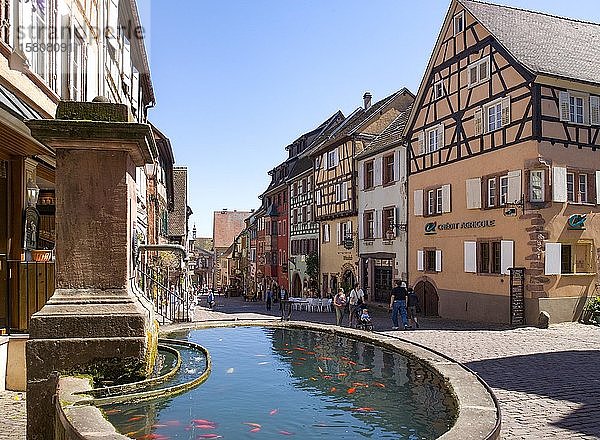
x=237 y=81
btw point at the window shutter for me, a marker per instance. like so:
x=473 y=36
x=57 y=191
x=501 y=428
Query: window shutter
x=361 y=225
x=478 y=121
x=377 y=171
x=336 y=161
x=421 y=144
x=350 y=231
x=324 y=161
x=506 y=255
x=440 y=136
x=446 y=198
x=318 y=197
x=515 y=191
x=396 y=166
x=377 y=226
x=345 y=191
x=598 y=187
x=506 y=111
x=418 y=202
x=438 y=260
x=564 y=106
x=552 y=262
x=339 y=233
x=474 y=193
x=559 y=184
x=361 y=176
x=420 y=261
x=595 y=110
x=470 y=256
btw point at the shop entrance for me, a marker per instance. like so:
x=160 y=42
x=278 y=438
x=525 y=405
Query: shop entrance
x=296 y=285
x=428 y=298
x=383 y=274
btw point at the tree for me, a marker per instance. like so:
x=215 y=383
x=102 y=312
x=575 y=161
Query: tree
x=312 y=268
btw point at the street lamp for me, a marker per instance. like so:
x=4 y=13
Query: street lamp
x=33 y=192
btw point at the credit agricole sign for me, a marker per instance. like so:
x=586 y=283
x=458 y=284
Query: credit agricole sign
x=433 y=227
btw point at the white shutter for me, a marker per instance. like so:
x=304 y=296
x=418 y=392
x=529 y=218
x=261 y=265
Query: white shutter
x=420 y=261
x=324 y=161
x=559 y=184
x=396 y=166
x=564 y=106
x=350 y=231
x=420 y=144
x=598 y=187
x=339 y=233
x=318 y=197
x=478 y=121
x=361 y=176
x=471 y=256
x=438 y=260
x=345 y=191
x=440 y=136
x=337 y=192
x=377 y=171
x=595 y=110
x=418 y=202
x=515 y=191
x=377 y=220
x=446 y=198
x=336 y=161
x=552 y=262
x=506 y=111
x=361 y=225
x=506 y=255
x=474 y=193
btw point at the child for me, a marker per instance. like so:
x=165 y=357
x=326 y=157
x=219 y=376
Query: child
x=365 y=320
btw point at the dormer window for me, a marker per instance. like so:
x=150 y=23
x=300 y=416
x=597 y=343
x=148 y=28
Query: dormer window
x=459 y=22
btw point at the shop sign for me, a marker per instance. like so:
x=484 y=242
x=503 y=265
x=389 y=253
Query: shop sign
x=348 y=243
x=433 y=227
x=577 y=222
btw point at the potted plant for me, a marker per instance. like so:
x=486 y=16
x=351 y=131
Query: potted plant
x=593 y=310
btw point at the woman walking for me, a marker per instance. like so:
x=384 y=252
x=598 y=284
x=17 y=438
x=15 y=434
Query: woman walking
x=339 y=303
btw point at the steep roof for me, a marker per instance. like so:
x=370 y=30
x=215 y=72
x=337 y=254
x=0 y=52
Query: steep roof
x=388 y=137
x=544 y=43
x=227 y=225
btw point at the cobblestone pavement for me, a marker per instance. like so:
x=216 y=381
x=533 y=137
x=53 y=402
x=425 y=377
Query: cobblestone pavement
x=547 y=381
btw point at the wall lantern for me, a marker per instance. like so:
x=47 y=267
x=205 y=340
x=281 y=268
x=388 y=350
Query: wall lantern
x=33 y=192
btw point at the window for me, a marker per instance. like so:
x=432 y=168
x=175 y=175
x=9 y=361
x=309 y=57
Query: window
x=576 y=258
x=438 y=200
x=573 y=186
x=5 y=21
x=326 y=237
x=369 y=225
x=479 y=71
x=503 y=190
x=430 y=260
x=494 y=117
x=583 y=192
x=388 y=221
x=304 y=217
x=576 y=109
x=438 y=90
x=368 y=169
x=570 y=187
x=388 y=169
x=341 y=192
x=431 y=202
x=536 y=186
x=491 y=192
x=489 y=257
x=332 y=159
x=434 y=138
x=459 y=22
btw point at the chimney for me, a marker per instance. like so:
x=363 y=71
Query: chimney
x=367 y=100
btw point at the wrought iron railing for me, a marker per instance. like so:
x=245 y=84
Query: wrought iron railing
x=25 y=287
x=167 y=291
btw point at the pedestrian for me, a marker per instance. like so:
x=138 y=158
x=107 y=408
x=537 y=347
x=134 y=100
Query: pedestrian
x=269 y=298
x=285 y=305
x=398 y=304
x=339 y=303
x=356 y=300
x=413 y=307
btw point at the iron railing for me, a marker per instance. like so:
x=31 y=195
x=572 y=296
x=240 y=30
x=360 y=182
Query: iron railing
x=25 y=287
x=167 y=292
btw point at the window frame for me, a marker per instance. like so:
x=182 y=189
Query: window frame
x=460 y=18
x=572 y=262
x=575 y=197
x=489 y=256
x=429 y=260
x=436 y=137
x=387 y=169
x=530 y=189
x=332 y=159
x=476 y=67
x=369 y=174
x=574 y=107
x=439 y=90
x=388 y=215
x=496 y=106
x=369 y=225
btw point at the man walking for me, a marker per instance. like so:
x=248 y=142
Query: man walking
x=398 y=304
x=356 y=300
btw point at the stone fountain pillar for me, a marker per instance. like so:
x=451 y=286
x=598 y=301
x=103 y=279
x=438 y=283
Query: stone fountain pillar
x=95 y=323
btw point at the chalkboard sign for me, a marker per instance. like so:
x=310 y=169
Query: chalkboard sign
x=517 y=295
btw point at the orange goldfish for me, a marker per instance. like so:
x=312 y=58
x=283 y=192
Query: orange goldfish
x=273 y=412
x=360 y=384
x=379 y=384
x=327 y=376
x=255 y=430
x=136 y=418
x=333 y=389
x=351 y=390
x=342 y=374
x=286 y=433
x=254 y=425
x=364 y=409
x=363 y=370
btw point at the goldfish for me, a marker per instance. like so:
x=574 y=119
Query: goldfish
x=263 y=363
x=205 y=426
x=302 y=359
x=209 y=436
x=351 y=390
x=320 y=369
x=313 y=378
x=202 y=421
x=363 y=370
x=286 y=433
x=333 y=389
x=364 y=409
x=159 y=426
x=297 y=363
x=344 y=358
x=173 y=423
x=273 y=412
x=254 y=425
x=327 y=376
x=323 y=358
x=342 y=374
x=110 y=412
x=255 y=430
x=153 y=437
x=136 y=418
x=360 y=384
x=379 y=384
x=310 y=352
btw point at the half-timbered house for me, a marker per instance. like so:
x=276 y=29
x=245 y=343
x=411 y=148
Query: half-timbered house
x=335 y=186
x=503 y=171
x=381 y=183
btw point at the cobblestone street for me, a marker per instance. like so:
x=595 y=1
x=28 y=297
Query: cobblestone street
x=546 y=380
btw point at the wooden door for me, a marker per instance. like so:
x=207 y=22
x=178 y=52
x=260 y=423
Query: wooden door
x=428 y=298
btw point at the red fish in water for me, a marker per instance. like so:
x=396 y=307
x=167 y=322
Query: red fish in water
x=363 y=370
x=300 y=348
x=360 y=384
x=364 y=409
x=110 y=412
x=379 y=384
x=159 y=426
x=255 y=430
x=153 y=437
x=327 y=376
x=254 y=425
x=322 y=358
x=310 y=352
x=199 y=426
x=351 y=363
x=286 y=433
x=302 y=359
x=210 y=436
x=351 y=390
x=273 y=412
x=344 y=358
x=136 y=418
x=342 y=374
x=173 y=423
x=333 y=389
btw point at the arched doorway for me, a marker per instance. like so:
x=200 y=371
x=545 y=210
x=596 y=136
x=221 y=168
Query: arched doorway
x=428 y=298
x=348 y=280
x=296 y=285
